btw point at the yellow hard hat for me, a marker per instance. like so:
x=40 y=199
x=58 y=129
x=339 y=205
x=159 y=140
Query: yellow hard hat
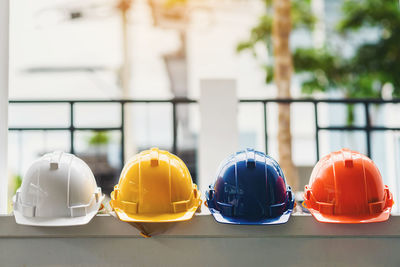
x=155 y=186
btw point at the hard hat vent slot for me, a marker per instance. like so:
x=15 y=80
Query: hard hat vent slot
x=251 y=163
x=376 y=207
x=250 y=158
x=211 y=193
x=326 y=208
x=180 y=206
x=115 y=192
x=275 y=210
x=226 y=209
x=348 y=158
x=97 y=194
x=55 y=160
x=387 y=193
x=53 y=165
x=29 y=211
x=195 y=193
x=348 y=163
x=129 y=207
x=154 y=157
x=308 y=193
x=289 y=193
x=78 y=211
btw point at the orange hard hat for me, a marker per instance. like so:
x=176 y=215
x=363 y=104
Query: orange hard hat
x=346 y=187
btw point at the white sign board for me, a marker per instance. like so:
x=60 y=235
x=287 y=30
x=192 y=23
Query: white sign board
x=219 y=128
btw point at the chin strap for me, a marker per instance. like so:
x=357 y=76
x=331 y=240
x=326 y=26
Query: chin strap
x=145 y=235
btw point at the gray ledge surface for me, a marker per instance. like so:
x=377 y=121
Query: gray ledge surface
x=204 y=226
x=106 y=241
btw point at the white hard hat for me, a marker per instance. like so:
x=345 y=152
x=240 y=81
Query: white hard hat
x=58 y=189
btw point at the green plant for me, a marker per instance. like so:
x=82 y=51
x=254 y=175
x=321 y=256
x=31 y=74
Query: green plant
x=16 y=183
x=373 y=63
x=359 y=75
x=99 y=138
x=302 y=17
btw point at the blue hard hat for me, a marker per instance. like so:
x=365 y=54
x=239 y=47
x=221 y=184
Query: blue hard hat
x=250 y=188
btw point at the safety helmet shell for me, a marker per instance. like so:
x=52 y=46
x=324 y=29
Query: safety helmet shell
x=250 y=188
x=155 y=186
x=58 y=189
x=346 y=187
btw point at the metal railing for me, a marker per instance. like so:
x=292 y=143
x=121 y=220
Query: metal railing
x=368 y=128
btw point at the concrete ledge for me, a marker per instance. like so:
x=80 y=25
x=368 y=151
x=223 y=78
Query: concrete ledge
x=204 y=226
x=106 y=241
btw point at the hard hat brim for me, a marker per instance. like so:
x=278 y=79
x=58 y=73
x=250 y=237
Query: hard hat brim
x=284 y=218
x=170 y=217
x=324 y=218
x=54 y=222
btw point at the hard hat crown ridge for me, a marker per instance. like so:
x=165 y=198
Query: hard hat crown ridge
x=58 y=189
x=250 y=188
x=346 y=187
x=155 y=186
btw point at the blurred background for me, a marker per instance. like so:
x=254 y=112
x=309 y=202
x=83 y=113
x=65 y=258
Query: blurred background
x=156 y=52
